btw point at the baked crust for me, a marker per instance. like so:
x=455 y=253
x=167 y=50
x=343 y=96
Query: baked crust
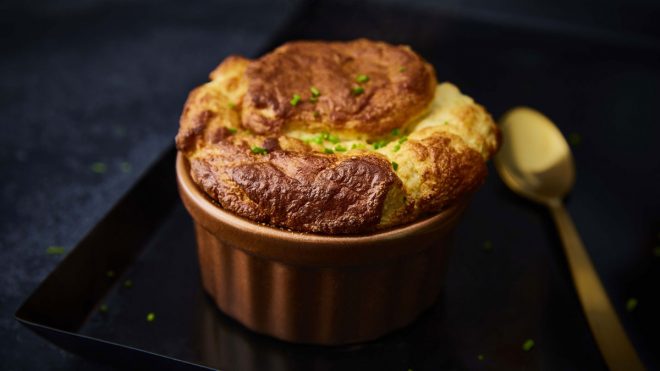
x=334 y=162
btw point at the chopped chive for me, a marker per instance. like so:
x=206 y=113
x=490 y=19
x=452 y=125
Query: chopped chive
x=333 y=139
x=110 y=273
x=98 y=167
x=488 y=246
x=128 y=283
x=231 y=105
x=295 y=100
x=362 y=79
x=55 y=250
x=403 y=139
x=379 y=144
x=396 y=148
x=233 y=130
x=395 y=132
x=631 y=304
x=103 y=308
x=357 y=90
x=151 y=316
x=328 y=151
x=395 y=166
x=656 y=251
x=357 y=146
x=402 y=69
x=480 y=357
x=325 y=135
x=318 y=140
x=528 y=345
x=125 y=167
x=340 y=148
x=259 y=150
x=574 y=139
x=315 y=91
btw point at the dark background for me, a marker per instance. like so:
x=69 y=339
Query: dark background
x=93 y=81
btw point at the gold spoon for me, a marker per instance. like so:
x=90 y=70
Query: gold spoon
x=536 y=162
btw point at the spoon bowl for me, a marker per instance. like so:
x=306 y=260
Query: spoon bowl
x=535 y=160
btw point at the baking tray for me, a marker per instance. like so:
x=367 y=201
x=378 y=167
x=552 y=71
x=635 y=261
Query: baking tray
x=507 y=281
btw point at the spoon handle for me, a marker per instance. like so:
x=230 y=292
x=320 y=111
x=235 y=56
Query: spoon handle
x=616 y=348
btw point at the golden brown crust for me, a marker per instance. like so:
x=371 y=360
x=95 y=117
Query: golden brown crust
x=263 y=158
x=400 y=86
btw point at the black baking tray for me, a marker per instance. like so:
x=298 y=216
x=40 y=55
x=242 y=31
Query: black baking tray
x=507 y=280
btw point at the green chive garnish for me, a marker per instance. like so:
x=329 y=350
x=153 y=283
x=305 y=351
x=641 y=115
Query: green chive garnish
x=528 y=345
x=362 y=79
x=294 y=101
x=259 y=150
x=233 y=130
x=395 y=166
x=333 y=139
x=151 y=316
x=340 y=148
x=315 y=91
x=357 y=90
x=318 y=140
x=103 y=308
x=396 y=148
x=110 y=273
x=395 y=132
x=325 y=135
x=98 y=167
x=125 y=167
x=631 y=304
x=403 y=139
x=128 y=284
x=379 y=144
x=55 y=250
x=357 y=146
x=488 y=246
x=328 y=151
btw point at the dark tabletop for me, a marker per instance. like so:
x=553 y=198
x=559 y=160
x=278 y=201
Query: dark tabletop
x=91 y=91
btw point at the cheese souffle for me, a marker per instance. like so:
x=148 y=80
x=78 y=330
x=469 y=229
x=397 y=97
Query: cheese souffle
x=334 y=137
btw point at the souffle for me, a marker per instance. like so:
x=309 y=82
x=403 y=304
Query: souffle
x=334 y=137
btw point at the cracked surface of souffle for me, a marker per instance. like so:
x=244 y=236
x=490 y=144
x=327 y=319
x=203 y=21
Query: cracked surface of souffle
x=334 y=137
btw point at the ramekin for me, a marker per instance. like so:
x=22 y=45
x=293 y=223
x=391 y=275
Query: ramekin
x=317 y=289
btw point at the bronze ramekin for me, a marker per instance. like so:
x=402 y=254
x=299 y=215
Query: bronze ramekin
x=317 y=289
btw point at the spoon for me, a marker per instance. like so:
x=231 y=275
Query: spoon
x=536 y=162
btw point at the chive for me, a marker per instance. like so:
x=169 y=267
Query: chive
x=656 y=251
x=128 y=284
x=55 y=250
x=233 y=130
x=396 y=148
x=362 y=79
x=488 y=246
x=259 y=150
x=357 y=146
x=295 y=100
x=325 y=135
x=103 y=308
x=631 y=304
x=315 y=91
x=403 y=139
x=528 y=345
x=231 y=105
x=110 y=273
x=379 y=144
x=151 y=316
x=357 y=90
x=395 y=132
x=402 y=69
x=395 y=166
x=98 y=167
x=328 y=151
x=340 y=148
x=125 y=167
x=333 y=139
x=318 y=140
x=480 y=357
